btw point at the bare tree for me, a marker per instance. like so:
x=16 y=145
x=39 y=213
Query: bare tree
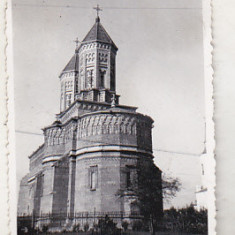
x=150 y=188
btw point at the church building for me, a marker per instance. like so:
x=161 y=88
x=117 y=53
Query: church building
x=92 y=149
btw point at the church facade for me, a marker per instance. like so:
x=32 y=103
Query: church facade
x=92 y=149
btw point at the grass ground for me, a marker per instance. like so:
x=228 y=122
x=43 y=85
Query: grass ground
x=128 y=233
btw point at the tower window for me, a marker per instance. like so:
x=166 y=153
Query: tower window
x=128 y=178
x=76 y=85
x=102 y=74
x=112 y=77
x=68 y=99
x=90 y=79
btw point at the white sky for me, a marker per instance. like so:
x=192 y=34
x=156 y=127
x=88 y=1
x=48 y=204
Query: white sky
x=159 y=70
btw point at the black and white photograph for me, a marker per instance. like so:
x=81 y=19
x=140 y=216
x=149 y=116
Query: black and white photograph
x=112 y=121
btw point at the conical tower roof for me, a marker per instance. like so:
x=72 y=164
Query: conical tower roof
x=98 y=33
x=72 y=64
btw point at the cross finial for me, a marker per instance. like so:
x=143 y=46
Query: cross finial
x=97 y=8
x=77 y=42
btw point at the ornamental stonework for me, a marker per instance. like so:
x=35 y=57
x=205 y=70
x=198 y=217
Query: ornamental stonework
x=106 y=124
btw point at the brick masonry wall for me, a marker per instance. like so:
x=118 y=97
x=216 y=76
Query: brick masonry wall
x=23 y=199
x=60 y=187
x=111 y=178
x=36 y=158
x=48 y=186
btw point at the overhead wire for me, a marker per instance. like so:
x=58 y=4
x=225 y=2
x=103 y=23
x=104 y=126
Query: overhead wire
x=103 y=142
x=107 y=8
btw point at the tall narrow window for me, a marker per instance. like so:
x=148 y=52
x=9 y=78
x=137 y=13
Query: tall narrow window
x=93 y=177
x=76 y=85
x=91 y=82
x=90 y=79
x=128 y=178
x=68 y=97
x=102 y=73
x=93 y=180
x=112 y=77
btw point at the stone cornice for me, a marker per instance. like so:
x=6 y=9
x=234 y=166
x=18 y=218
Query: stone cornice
x=71 y=120
x=116 y=110
x=85 y=102
x=51 y=159
x=110 y=148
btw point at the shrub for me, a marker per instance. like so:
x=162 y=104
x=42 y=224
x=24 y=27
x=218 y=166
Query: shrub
x=187 y=220
x=76 y=228
x=125 y=225
x=95 y=227
x=137 y=225
x=44 y=228
x=108 y=227
x=86 y=227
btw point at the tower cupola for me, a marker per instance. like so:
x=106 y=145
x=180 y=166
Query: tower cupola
x=91 y=73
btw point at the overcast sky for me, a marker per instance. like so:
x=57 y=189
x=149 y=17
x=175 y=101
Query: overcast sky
x=159 y=70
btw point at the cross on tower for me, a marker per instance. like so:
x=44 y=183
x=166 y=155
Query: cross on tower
x=97 y=8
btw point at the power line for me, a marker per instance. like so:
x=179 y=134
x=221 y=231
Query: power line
x=103 y=142
x=180 y=153
x=107 y=8
x=27 y=132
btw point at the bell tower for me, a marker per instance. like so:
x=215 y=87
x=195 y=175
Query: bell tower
x=69 y=81
x=91 y=73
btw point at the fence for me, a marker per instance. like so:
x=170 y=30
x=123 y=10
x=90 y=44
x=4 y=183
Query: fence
x=64 y=220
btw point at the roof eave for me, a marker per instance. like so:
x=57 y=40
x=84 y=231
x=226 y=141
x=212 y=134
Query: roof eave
x=96 y=40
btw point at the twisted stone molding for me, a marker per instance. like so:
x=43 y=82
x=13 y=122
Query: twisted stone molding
x=102 y=123
x=60 y=135
x=99 y=124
